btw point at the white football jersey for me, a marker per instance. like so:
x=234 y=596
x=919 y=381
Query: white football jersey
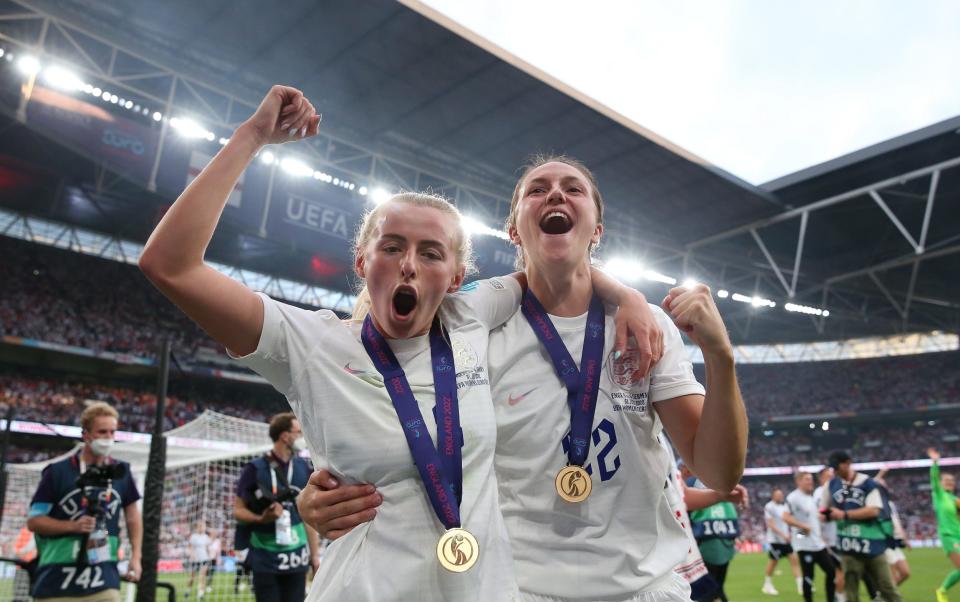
x=624 y=540
x=348 y=419
x=773 y=511
x=828 y=530
x=804 y=508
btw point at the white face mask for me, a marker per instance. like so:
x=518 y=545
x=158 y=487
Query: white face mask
x=101 y=447
x=299 y=444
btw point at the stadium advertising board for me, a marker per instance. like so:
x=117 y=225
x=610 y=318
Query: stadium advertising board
x=126 y=146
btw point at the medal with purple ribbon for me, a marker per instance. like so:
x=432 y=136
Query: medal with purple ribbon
x=573 y=482
x=440 y=467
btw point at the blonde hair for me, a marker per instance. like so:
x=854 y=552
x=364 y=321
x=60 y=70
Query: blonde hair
x=540 y=160
x=462 y=247
x=96 y=410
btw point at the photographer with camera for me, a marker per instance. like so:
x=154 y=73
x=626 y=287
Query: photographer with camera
x=75 y=516
x=282 y=547
x=855 y=502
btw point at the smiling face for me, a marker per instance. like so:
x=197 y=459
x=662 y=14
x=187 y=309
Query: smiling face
x=409 y=263
x=805 y=482
x=556 y=218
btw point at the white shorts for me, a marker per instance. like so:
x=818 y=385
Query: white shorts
x=669 y=588
x=894 y=555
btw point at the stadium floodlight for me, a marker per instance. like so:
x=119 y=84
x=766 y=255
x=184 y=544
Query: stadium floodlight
x=658 y=277
x=105 y=95
x=267 y=157
x=363 y=191
x=723 y=293
x=474 y=226
x=806 y=309
x=114 y=99
x=157 y=116
x=296 y=167
x=754 y=300
x=689 y=283
x=189 y=128
x=28 y=65
x=62 y=79
x=379 y=196
x=96 y=91
x=2 y=51
x=128 y=105
x=223 y=141
x=624 y=269
x=825 y=426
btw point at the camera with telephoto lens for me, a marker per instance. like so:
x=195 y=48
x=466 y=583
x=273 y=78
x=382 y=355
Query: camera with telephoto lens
x=284 y=494
x=100 y=475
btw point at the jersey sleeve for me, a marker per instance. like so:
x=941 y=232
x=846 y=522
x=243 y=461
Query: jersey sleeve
x=767 y=514
x=492 y=301
x=45 y=496
x=289 y=334
x=673 y=375
x=935 y=479
x=874 y=499
x=247 y=482
x=130 y=494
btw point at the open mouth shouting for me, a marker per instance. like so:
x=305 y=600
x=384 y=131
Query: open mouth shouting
x=556 y=222
x=404 y=302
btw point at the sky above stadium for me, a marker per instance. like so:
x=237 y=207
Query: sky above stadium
x=760 y=89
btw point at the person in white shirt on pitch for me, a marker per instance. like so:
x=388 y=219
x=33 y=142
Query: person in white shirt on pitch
x=778 y=542
x=199 y=559
x=899 y=567
x=603 y=548
x=804 y=517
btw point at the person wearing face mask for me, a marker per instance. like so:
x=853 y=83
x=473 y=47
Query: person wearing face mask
x=75 y=516
x=282 y=547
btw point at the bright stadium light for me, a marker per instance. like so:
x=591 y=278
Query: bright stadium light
x=157 y=116
x=658 y=277
x=805 y=309
x=267 y=157
x=363 y=191
x=28 y=65
x=189 y=128
x=754 y=301
x=379 y=196
x=689 y=283
x=296 y=167
x=624 y=269
x=825 y=426
x=723 y=293
x=96 y=91
x=474 y=226
x=60 y=78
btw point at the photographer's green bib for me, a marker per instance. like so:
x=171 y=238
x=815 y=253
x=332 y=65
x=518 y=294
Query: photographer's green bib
x=280 y=546
x=866 y=538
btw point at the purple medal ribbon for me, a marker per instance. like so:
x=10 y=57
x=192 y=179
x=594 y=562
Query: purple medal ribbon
x=583 y=385
x=440 y=467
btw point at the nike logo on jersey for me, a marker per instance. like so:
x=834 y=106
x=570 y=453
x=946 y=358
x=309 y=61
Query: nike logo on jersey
x=367 y=377
x=350 y=370
x=515 y=400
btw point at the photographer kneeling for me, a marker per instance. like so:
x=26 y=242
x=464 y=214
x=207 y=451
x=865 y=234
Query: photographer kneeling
x=282 y=547
x=75 y=515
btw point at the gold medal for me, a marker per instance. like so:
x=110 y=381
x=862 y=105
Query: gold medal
x=574 y=483
x=458 y=550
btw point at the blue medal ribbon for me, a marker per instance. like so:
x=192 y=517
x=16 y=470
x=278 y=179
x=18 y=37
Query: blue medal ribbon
x=440 y=467
x=583 y=385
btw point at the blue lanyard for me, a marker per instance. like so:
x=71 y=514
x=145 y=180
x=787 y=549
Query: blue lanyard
x=583 y=385
x=440 y=467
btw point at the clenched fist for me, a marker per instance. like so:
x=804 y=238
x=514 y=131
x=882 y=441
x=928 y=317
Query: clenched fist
x=284 y=114
x=694 y=312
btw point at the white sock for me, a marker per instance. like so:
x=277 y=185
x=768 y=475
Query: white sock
x=840 y=597
x=767 y=581
x=799 y=583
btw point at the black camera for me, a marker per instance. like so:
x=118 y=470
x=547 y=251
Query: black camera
x=285 y=494
x=100 y=475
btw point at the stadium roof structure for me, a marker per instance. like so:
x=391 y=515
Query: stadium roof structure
x=409 y=103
